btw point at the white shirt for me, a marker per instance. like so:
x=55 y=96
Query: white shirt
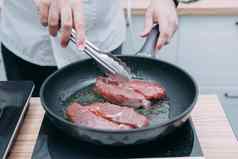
x=22 y=33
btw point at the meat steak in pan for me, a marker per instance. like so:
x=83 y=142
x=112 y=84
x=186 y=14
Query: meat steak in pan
x=105 y=116
x=118 y=114
x=133 y=93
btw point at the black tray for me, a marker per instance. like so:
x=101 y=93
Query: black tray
x=14 y=98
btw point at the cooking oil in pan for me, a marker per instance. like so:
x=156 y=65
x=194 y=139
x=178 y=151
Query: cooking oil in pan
x=85 y=96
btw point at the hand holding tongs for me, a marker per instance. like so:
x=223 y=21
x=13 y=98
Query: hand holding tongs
x=111 y=64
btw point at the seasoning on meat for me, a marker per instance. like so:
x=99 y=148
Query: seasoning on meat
x=134 y=93
x=121 y=115
x=116 y=92
x=81 y=116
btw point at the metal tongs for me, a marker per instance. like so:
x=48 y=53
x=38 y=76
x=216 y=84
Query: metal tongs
x=109 y=63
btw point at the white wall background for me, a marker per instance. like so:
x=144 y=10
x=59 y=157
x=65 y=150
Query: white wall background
x=2 y=72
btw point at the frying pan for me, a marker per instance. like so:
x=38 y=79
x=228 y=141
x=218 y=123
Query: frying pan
x=180 y=87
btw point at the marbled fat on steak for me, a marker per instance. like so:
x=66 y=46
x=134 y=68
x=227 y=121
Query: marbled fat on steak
x=120 y=115
x=151 y=91
x=133 y=93
x=81 y=116
x=106 y=116
x=117 y=93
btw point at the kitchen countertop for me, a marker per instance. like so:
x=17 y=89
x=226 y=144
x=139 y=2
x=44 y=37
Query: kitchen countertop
x=213 y=129
x=202 y=7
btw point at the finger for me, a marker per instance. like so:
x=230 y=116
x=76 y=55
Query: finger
x=165 y=33
x=53 y=20
x=78 y=21
x=44 y=11
x=163 y=39
x=148 y=23
x=170 y=32
x=66 y=24
x=176 y=23
x=173 y=25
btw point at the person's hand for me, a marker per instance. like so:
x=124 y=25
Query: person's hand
x=164 y=13
x=63 y=15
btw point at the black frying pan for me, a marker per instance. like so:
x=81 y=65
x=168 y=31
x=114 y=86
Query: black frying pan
x=181 y=90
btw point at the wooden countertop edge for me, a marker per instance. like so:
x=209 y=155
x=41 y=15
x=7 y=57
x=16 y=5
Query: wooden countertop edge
x=208 y=11
x=202 y=7
x=195 y=12
x=213 y=129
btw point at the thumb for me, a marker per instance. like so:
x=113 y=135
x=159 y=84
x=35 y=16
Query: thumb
x=79 y=24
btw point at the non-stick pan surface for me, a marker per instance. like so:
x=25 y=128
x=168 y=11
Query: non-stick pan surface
x=180 y=88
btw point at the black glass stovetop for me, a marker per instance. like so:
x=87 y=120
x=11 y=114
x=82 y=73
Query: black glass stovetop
x=53 y=144
x=14 y=99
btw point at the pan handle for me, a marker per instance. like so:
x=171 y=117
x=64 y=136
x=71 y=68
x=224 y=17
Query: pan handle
x=150 y=42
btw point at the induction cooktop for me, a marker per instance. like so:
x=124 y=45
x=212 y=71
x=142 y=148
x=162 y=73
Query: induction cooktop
x=54 y=144
x=14 y=98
